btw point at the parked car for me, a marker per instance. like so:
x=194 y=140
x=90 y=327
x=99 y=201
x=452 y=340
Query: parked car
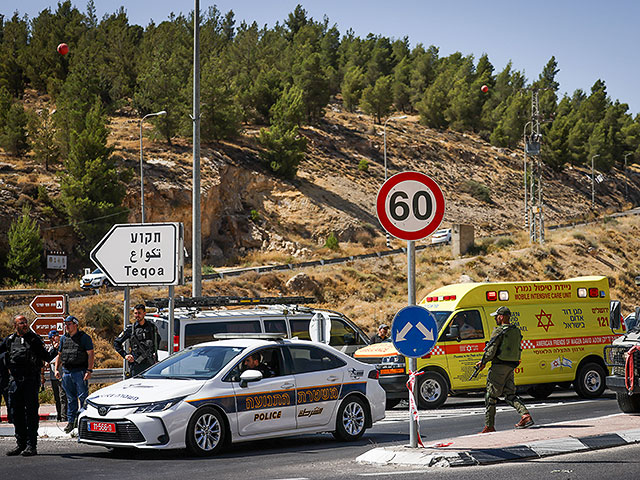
x=207 y=395
x=192 y=326
x=95 y=279
x=441 y=236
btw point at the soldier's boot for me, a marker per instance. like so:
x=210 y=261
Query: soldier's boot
x=488 y=429
x=30 y=451
x=525 y=422
x=16 y=451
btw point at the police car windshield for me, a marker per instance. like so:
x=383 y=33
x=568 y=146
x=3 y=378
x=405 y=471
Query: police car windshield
x=198 y=363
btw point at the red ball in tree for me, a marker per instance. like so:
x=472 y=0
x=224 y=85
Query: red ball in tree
x=484 y=88
x=63 y=49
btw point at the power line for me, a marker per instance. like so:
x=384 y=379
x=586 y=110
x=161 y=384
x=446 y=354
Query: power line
x=88 y=221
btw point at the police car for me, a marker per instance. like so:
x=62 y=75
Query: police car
x=203 y=397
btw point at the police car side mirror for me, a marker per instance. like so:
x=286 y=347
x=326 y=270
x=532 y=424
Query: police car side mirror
x=249 y=376
x=454 y=333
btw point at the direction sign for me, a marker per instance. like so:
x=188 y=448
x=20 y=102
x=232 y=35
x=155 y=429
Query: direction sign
x=414 y=331
x=43 y=325
x=410 y=206
x=49 y=305
x=142 y=254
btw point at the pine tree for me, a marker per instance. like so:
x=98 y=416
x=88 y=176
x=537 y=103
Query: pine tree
x=13 y=138
x=377 y=99
x=42 y=137
x=283 y=150
x=220 y=113
x=352 y=86
x=309 y=77
x=92 y=188
x=288 y=112
x=24 y=261
x=13 y=46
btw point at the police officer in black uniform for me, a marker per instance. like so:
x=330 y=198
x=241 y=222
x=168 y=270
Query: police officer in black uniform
x=25 y=354
x=144 y=340
x=4 y=382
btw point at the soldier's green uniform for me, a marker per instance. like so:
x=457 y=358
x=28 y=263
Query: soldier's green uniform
x=503 y=351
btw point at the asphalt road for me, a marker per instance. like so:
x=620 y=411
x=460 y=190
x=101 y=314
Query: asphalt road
x=319 y=457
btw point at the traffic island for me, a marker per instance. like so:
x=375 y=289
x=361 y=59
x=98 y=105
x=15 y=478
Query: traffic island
x=536 y=442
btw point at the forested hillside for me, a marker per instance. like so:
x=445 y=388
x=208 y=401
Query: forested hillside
x=265 y=90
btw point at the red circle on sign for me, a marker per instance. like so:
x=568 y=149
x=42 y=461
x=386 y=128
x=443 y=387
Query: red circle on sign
x=435 y=219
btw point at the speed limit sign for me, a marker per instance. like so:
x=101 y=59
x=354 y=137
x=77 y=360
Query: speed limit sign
x=410 y=206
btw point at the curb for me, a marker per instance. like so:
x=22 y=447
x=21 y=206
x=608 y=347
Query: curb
x=43 y=417
x=431 y=457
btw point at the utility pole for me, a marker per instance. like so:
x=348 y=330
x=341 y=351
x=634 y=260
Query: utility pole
x=535 y=211
x=196 y=253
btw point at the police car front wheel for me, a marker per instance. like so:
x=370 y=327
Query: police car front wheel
x=206 y=432
x=351 y=421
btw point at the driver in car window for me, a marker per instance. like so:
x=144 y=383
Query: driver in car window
x=465 y=327
x=254 y=362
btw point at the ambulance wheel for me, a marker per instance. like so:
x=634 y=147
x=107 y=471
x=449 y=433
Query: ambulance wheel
x=351 y=421
x=433 y=390
x=590 y=381
x=206 y=432
x=541 y=391
x=628 y=403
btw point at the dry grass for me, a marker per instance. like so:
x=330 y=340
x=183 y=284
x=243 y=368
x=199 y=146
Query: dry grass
x=370 y=292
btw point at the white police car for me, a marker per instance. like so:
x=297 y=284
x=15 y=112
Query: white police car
x=201 y=398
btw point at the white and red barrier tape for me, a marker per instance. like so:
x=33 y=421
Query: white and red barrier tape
x=413 y=408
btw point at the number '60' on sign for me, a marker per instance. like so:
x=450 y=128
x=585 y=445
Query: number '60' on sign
x=410 y=205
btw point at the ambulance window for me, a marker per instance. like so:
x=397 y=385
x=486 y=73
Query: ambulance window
x=469 y=324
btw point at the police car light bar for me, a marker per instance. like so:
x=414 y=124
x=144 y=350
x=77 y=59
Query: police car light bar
x=251 y=336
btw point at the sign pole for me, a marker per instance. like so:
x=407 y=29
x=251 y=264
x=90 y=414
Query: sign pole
x=171 y=316
x=413 y=363
x=127 y=304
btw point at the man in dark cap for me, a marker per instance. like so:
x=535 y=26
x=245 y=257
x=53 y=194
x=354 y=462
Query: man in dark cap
x=382 y=335
x=74 y=365
x=503 y=351
x=59 y=394
x=144 y=340
x=25 y=354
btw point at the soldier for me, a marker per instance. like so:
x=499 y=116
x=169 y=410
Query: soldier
x=25 y=354
x=503 y=351
x=144 y=340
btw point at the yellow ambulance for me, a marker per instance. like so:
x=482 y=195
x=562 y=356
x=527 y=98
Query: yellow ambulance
x=564 y=326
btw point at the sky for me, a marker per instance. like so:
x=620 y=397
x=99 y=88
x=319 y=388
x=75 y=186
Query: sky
x=591 y=39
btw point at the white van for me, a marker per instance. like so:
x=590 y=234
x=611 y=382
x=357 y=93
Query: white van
x=198 y=324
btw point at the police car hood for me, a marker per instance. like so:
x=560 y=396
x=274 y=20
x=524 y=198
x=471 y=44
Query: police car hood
x=143 y=390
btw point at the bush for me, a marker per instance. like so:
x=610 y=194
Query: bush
x=105 y=319
x=254 y=216
x=363 y=166
x=332 y=242
x=477 y=190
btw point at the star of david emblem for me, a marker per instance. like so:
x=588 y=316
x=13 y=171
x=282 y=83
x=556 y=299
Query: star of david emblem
x=544 y=325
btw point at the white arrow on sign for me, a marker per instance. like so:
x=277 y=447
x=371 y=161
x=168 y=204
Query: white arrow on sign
x=428 y=334
x=401 y=334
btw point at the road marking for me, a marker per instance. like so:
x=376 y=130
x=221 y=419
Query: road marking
x=396 y=416
x=378 y=474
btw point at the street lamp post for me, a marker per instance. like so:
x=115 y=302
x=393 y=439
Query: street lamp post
x=593 y=184
x=163 y=112
x=384 y=130
x=626 y=180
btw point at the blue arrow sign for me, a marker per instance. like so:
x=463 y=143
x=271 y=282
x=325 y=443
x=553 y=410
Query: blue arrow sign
x=414 y=331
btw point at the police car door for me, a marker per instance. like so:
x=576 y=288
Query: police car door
x=319 y=377
x=267 y=405
x=465 y=349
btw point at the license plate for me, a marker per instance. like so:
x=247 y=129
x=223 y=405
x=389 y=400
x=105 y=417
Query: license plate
x=102 y=427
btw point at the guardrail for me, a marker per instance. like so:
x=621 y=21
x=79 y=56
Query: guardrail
x=101 y=375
